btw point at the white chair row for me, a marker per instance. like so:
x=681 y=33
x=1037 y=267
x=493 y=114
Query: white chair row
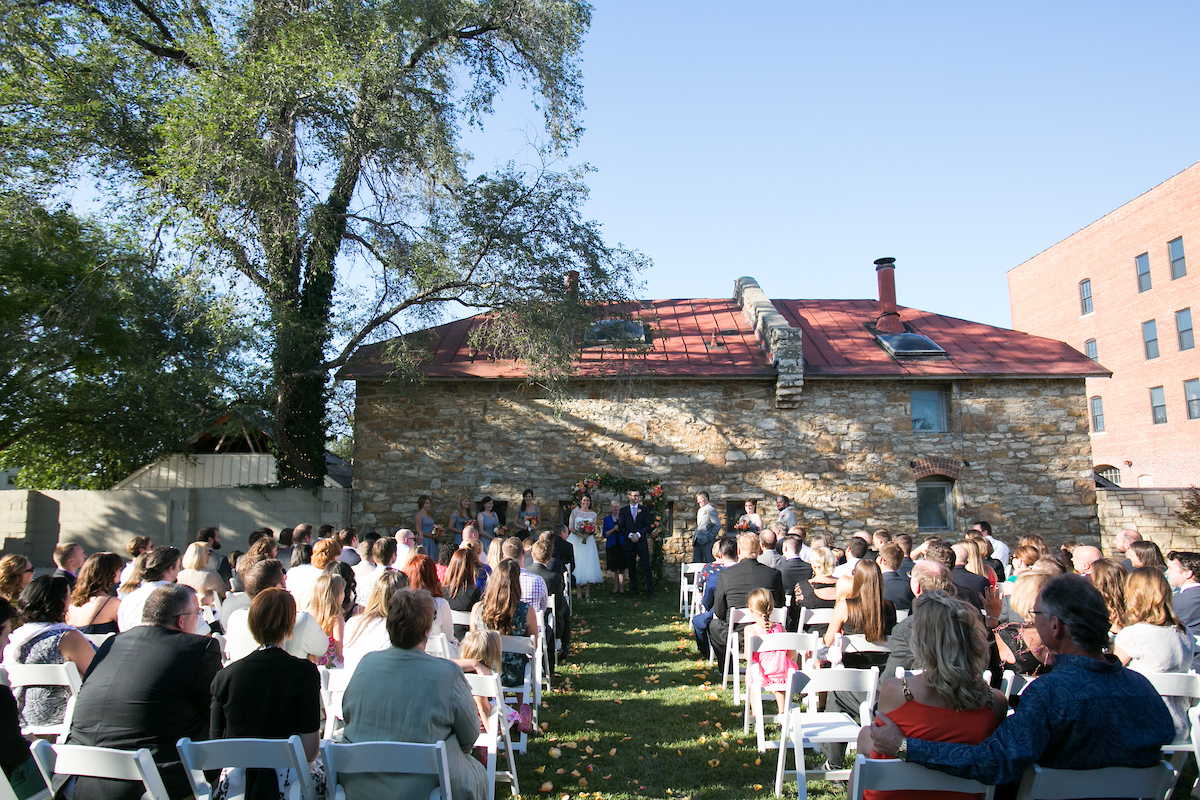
x=29 y=675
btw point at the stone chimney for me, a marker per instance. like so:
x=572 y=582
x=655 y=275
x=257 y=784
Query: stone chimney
x=888 y=320
x=780 y=340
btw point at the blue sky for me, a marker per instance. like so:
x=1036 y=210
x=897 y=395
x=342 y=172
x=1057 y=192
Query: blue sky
x=797 y=142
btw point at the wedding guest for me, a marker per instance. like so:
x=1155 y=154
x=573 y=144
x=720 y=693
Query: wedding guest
x=614 y=548
x=1146 y=554
x=196 y=574
x=503 y=611
x=422 y=575
x=487 y=520
x=135 y=547
x=367 y=632
x=460 y=588
x=326 y=607
x=93 y=606
x=15 y=574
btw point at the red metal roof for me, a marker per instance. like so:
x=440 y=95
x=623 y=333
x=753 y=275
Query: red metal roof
x=836 y=343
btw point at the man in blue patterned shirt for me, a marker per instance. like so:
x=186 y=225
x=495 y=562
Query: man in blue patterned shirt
x=1090 y=712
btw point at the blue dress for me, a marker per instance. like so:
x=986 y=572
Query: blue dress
x=431 y=545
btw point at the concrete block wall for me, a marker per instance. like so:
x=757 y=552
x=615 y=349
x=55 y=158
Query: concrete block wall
x=1150 y=512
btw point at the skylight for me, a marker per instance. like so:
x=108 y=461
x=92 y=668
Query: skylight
x=616 y=331
x=909 y=345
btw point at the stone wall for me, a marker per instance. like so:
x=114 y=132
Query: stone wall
x=846 y=452
x=1150 y=512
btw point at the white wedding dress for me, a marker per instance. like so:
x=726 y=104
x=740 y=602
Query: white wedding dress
x=587 y=555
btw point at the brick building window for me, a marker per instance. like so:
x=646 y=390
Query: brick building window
x=935 y=504
x=928 y=410
x=1191 y=391
x=1158 y=405
x=1142 y=265
x=1085 y=296
x=1097 y=404
x=1175 y=251
x=1109 y=473
x=1089 y=349
x=1183 y=324
x=1150 y=338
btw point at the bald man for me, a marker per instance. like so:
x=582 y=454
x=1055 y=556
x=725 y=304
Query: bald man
x=1122 y=542
x=1083 y=557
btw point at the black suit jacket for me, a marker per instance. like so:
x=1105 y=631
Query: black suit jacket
x=897 y=589
x=793 y=571
x=564 y=553
x=554 y=582
x=62 y=573
x=146 y=687
x=734 y=585
x=627 y=524
x=970 y=586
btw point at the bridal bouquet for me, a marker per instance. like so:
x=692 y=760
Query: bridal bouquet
x=586 y=529
x=439 y=531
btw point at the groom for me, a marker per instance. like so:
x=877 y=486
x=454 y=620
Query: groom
x=634 y=523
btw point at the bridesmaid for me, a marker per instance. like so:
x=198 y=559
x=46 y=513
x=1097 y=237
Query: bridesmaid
x=423 y=522
x=487 y=521
x=529 y=518
x=460 y=517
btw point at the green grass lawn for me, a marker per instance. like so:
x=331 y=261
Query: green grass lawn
x=634 y=713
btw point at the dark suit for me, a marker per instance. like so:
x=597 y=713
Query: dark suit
x=1187 y=607
x=896 y=588
x=794 y=570
x=642 y=524
x=62 y=573
x=970 y=586
x=555 y=588
x=734 y=585
x=147 y=687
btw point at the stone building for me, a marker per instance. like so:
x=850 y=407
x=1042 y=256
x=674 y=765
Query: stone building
x=865 y=414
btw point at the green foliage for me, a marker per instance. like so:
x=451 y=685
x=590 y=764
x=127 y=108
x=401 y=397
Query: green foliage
x=104 y=364
x=1189 y=511
x=282 y=136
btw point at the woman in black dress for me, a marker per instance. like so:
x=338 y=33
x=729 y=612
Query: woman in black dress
x=459 y=586
x=268 y=694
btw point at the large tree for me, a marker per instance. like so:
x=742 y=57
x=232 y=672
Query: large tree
x=105 y=364
x=289 y=133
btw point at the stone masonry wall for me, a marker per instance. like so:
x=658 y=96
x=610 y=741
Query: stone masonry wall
x=1150 y=512
x=846 y=453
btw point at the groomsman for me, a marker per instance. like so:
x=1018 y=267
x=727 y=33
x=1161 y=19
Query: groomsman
x=635 y=524
x=708 y=525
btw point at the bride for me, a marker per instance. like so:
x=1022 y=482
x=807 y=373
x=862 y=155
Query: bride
x=587 y=556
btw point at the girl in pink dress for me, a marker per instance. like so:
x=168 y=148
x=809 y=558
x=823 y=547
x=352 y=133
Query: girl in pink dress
x=772 y=666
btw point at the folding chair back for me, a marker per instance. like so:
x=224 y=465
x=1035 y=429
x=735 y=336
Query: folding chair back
x=97 y=639
x=244 y=754
x=733 y=647
x=403 y=758
x=42 y=675
x=687 y=586
x=805 y=645
x=495 y=732
x=438 y=646
x=815 y=616
x=333 y=686
x=1150 y=783
x=220 y=640
x=99 y=762
x=889 y=774
x=461 y=618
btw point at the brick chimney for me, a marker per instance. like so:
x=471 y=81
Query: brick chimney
x=573 y=284
x=888 y=320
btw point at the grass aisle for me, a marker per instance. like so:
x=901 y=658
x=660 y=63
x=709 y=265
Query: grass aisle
x=635 y=713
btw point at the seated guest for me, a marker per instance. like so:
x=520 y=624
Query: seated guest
x=533 y=588
x=735 y=584
x=1023 y=559
x=268 y=694
x=768 y=541
x=895 y=586
x=793 y=569
x=367 y=632
x=43 y=637
x=555 y=588
x=948 y=701
x=15 y=760
x=927 y=576
x=443 y=562
x=209 y=586
x=503 y=611
x=15 y=574
x=403 y=694
x=135 y=547
x=906 y=564
x=301 y=577
x=856 y=550
x=1090 y=712
x=1153 y=639
x=819 y=591
x=383 y=556
x=148 y=687
x=325 y=605
x=93 y=606
x=366 y=559
x=1107 y=575
x=422 y=575
x=725 y=550
x=972 y=586
x=151 y=569
x=459 y=587
x=1020 y=645
x=68 y=558
x=307 y=640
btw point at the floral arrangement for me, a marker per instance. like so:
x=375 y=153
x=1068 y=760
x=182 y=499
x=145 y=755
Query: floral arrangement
x=439 y=531
x=501 y=531
x=585 y=486
x=742 y=525
x=653 y=498
x=588 y=527
x=656 y=493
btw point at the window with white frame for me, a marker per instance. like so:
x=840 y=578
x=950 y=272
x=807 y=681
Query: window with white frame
x=1191 y=392
x=1097 y=404
x=1091 y=351
x=1085 y=296
x=935 y=504
x=1175 y=251
x=929 y=410
x=1183 y=324
x=1158 y=405
x=1109 y=473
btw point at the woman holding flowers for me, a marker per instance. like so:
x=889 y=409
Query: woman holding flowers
x=583 y=540
x=429 y=529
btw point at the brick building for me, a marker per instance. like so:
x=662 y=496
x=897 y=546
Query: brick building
x=1121 y=291
x=840 y=404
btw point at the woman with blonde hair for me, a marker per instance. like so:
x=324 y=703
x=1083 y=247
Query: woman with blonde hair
x=975 y=563
x=819 y=591
x=93 y=607
x=326 y=607
x=16 y=572
x=196 y=574
x=495 y=553
x=948 y=701
x=1019 y=643
x=367 y=632
x=1108 y=576
x=1037 y=541
x=1153 y=639
x=865 y=612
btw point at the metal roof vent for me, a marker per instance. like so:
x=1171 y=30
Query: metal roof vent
x=909 y=345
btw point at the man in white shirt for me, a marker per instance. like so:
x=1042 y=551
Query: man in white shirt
x=855 y=551
x=383 y=556
x=1000 y=550
x=307 y=640
x=406 y=540
x=799 y=531
x=708 y=525
x=787 y=514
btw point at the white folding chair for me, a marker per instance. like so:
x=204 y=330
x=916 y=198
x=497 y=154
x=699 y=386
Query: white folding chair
x=1170 y=685
x=99 y=762
x=687 y=586
x=333 y=686
x=803 y=728
x=805 y=644
x=220 y=640
x=902 y=614
x=567 y=587
x=890 y=774
x=388 y=757
x=814 y=616
x=529 y=690
x=1012 y=684
x=279 y=754
x=461 y=618
x=844 y=644
x=42 y=675
x=551 y=639
x=438 y=646
x=495 y=733
x=733 y=647
x=97 y=639
x=1145 y=783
